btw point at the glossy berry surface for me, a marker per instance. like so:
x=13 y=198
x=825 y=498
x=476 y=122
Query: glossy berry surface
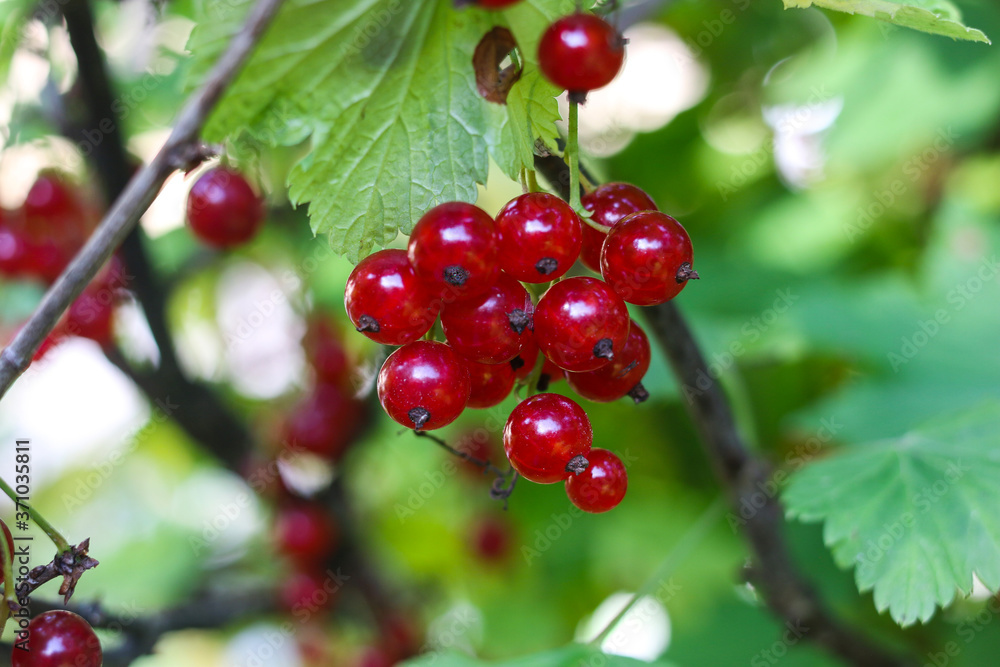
x=581 y=324
x=59 y=639
x=305 y=533
x=580 y=52
x=544 y=434
x=647 y=258
x=386 y=301
x=490 y=328
x=601 y=486
x=622 y=377
x=424 y=385
x=10 y=544
x=491 y=383
x=324 y=423
x=453 y=248
x=608 y=204
x=539 y=237
x=222 y=209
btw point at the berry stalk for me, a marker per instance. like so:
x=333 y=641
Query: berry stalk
x=57 y=539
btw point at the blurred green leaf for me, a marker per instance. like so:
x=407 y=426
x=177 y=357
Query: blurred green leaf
x=916 y=515
x=574 y=655
x=939 y=17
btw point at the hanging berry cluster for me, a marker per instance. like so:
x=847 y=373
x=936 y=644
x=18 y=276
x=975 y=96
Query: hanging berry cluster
x=468 y=270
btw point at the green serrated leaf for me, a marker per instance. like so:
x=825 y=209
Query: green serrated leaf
x=938 y=17
x=915 y=516
x=574 y=655
x=386 y=93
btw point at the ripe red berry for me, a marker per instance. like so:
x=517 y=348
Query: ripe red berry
x=547 y=438
x=609 y=203
x=491 y=383
x=54 y=210
x=91 y=316
x=222 y=208
x=307 y=592
x=491 y=539
x=580 y=52
x=14 y=251
x=326 y=351
x=581 y=324
x=601 y=486
x=647 y=258
x=424 y=385
x=10 y=545
x=491 y=327
x=325 y=423
x=453 y=248
x=622 y=377
x=386 y=301
x=59 y=638
x=539 y=236
x=305 y=533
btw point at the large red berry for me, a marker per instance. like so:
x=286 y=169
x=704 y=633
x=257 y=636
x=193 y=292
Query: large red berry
x=453 y=248
x=57 y=639
x=325 y=423
x=539 y=237
x=580 y=52
x=424 y=385
x=547 y=438
x=490 y=328
x=386 y=301
x=491 y=383
x=608 y=204
x=601 y=486
x=305 y=533
x=222 y=209
x=622 y=377
x=581 y=324
x=647 y=258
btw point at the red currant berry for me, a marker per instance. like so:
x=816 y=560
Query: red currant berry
x=59 y=638
x=539 y=236
x=622 y=377
x=305 y=533
x=386 y=301
x=91 y=316
x=52 y=209
x=647 y=258
x=581 y=324
x=525 y=360
x=491 y=383
x=491 y=540
x=601 y=486
x=306 y=593
x=496 y=4
x=14 y=259
x=222 y=208
x=325 y=350
x=453 y=247
x=609 y=203
x=10 y=544
x=580 y=52
x=491 y=327
x=424 y=385
x=325 y=423
x=547 y=438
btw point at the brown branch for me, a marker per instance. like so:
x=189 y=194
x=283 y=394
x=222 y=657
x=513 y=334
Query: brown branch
x=180 y=149
x=743 y=473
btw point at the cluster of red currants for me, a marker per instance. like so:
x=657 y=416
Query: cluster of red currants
x=467 y=268
x=38 y=240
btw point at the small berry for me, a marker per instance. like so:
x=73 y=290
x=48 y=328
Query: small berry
x=91 y=316
x=647 y=258
x=491 y=383
x=306 y=593
x=491 y=540
x=57 y=639
x=325 y=423
x=547 y=438
x=424 y=385
x=581 y=324
x=580 y=52
x=601 y=486
x=326 y=351
x=453 y=248
x=608 y=204
x=539 y=236
x=386 y=301
x=222 y=209
x=491 y=327
x=305 y=533
x=622 y=377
